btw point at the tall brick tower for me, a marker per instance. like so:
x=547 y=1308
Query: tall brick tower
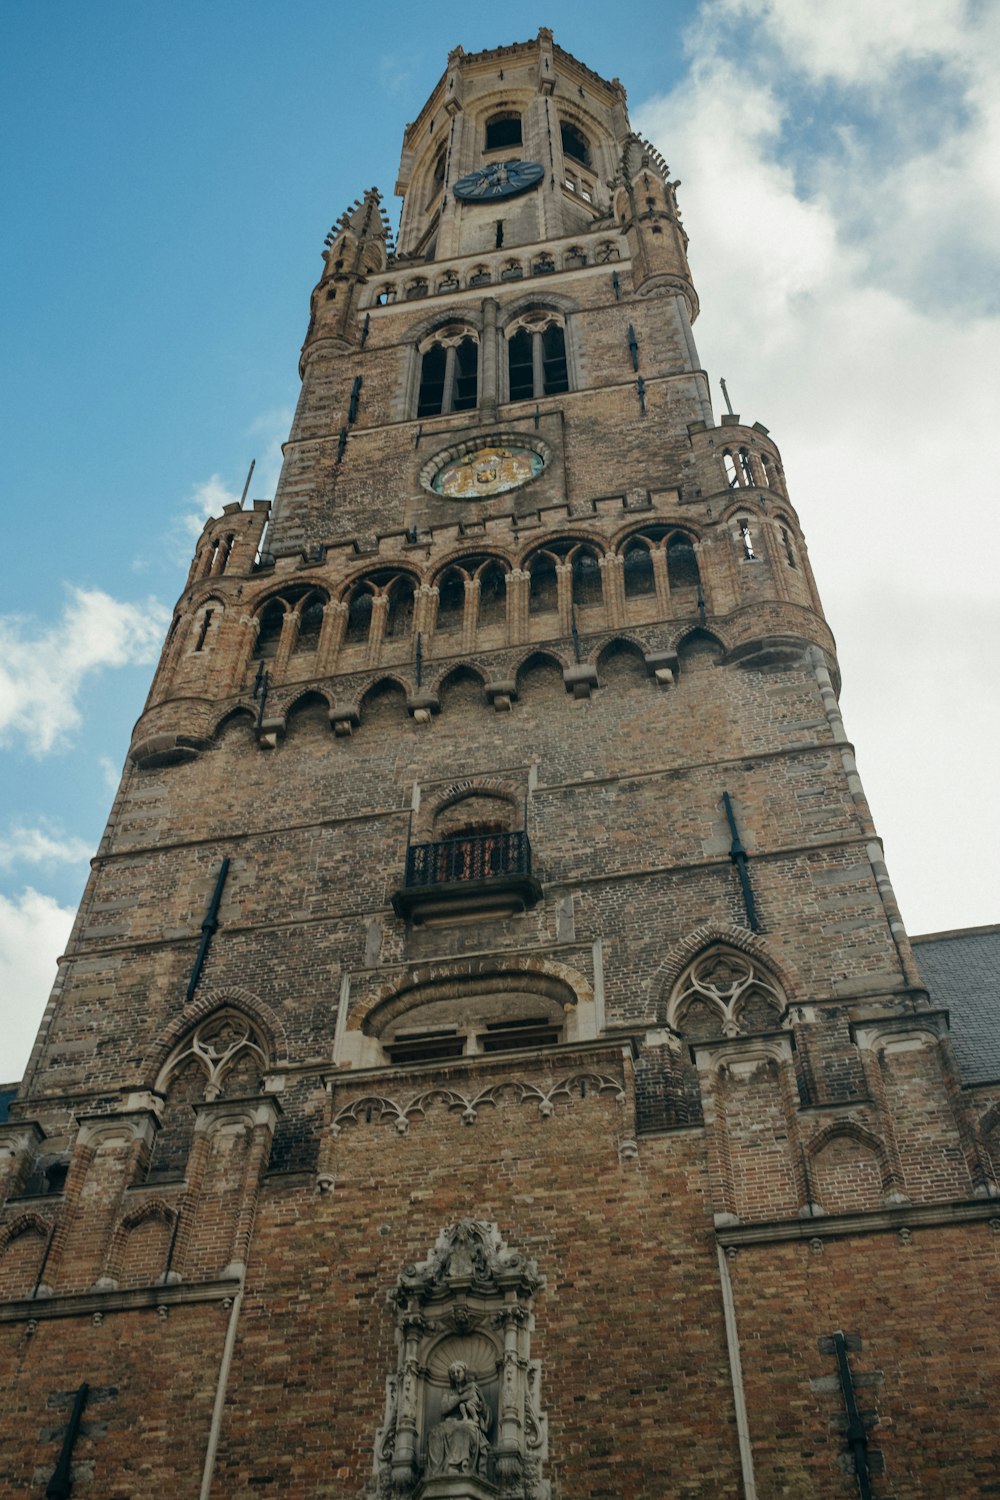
x=488 y=1060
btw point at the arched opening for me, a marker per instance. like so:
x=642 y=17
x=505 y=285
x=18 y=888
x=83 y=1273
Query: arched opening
x=451 y=602
x=503 y=131
x=359 y=616
x=430 y=400
x=462 y=688
x=384 y=700
x=272 y=618
x=682 y=564
x=587 y=590
x=492 y=595
x=310 y=622
x=729 y=463
x=543 y=593
x=466 y=376
x=399 y=614
x=621 y=664
x=574 y=143
x=637 y=569
x=536 y=357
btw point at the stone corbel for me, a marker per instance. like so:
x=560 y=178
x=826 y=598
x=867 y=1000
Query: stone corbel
x=580 y=680
x=662 y=667
x=344 y=720
x=422 y=706
x=269 y=732
x=502 y=693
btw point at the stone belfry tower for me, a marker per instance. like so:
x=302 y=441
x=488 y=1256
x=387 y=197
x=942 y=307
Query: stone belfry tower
x=488 y=1060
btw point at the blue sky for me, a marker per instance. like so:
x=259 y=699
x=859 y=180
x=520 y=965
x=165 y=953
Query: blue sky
x=168 y=174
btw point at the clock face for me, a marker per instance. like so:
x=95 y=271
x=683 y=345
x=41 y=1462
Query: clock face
x=501 y=179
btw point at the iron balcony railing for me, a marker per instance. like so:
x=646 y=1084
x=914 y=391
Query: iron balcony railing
x=487 y=856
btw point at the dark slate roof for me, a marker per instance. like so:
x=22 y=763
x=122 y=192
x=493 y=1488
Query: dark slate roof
x=962 y=972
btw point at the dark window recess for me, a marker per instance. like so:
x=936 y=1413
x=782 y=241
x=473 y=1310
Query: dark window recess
x=426 y=1046
x=574 y=144
x=432 y=371
x=269 y=633
x=466 y=377
x=682 y=565
x=554 y=361
x=522 y=384
x=531 y=1031
x=503 y=131
x=639 y=575
x=586 y=579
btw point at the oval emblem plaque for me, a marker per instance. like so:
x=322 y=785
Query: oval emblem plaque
x=487 y=471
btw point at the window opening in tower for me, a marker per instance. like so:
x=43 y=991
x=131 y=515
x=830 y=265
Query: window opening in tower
x=503 y=131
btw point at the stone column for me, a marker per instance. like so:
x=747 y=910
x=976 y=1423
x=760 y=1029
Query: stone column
x=331 y=636
x=537 y=364
x=376 y=630
x=564 y=584
x=286 y=644
x=448 y=395
x=661 y=578
x=242 y=656
x=518 y=588
x=489 y=391
x=470 y=617
x=613 y=587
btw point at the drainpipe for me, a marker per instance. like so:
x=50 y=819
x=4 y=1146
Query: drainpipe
x=208 y=1472
x=736 y=1371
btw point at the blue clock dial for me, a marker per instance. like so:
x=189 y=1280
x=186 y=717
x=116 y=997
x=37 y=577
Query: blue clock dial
x=501 y=179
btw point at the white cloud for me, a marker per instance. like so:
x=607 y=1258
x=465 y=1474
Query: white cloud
x=110 y=771
x=848 y=302
x=33 y=930
x=205 y=500
x=42 y=674
x=41 y=846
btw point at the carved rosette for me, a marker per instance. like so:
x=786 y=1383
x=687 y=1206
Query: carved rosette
x=469 y=1303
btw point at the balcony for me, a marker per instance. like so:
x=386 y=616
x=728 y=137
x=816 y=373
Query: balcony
x=474 y=875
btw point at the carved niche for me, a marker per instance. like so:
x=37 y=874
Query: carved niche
x=462 y=1415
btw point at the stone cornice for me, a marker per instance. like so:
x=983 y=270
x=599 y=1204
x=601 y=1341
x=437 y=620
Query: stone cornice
x=94 y=1302
x=885 y=1220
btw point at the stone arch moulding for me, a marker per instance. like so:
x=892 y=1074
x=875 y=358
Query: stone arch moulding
x=463 y=1418
x=852 y=1130
x=359 y=1045
x=154 y=1210
x=502 y=789
x=256 y=1011
x=699 y=942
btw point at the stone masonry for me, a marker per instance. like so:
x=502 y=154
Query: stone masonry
x=488 y=1060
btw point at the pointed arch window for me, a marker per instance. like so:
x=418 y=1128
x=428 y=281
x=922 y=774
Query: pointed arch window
x=268 y=635
x=536 y=358
x=682 y=563
x=639 y=577
x=449 y=374
x=574 y=143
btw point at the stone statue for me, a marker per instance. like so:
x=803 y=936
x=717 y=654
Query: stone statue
x=458 y=1444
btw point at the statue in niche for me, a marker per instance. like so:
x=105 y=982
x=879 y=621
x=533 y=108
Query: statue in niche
x=459 y=1444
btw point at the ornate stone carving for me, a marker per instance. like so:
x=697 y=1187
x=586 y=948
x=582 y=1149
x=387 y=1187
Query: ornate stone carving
x=462 y=1413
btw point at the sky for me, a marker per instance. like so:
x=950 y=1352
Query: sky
x=168 y=174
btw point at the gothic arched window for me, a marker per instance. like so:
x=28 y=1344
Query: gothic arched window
x=574 y=143
x=536 y=358
x=682 y=564
x=449 y=373
x=272 y=618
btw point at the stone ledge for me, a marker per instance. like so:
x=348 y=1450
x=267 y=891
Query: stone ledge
x=874 y=1221
x=86 y=1304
